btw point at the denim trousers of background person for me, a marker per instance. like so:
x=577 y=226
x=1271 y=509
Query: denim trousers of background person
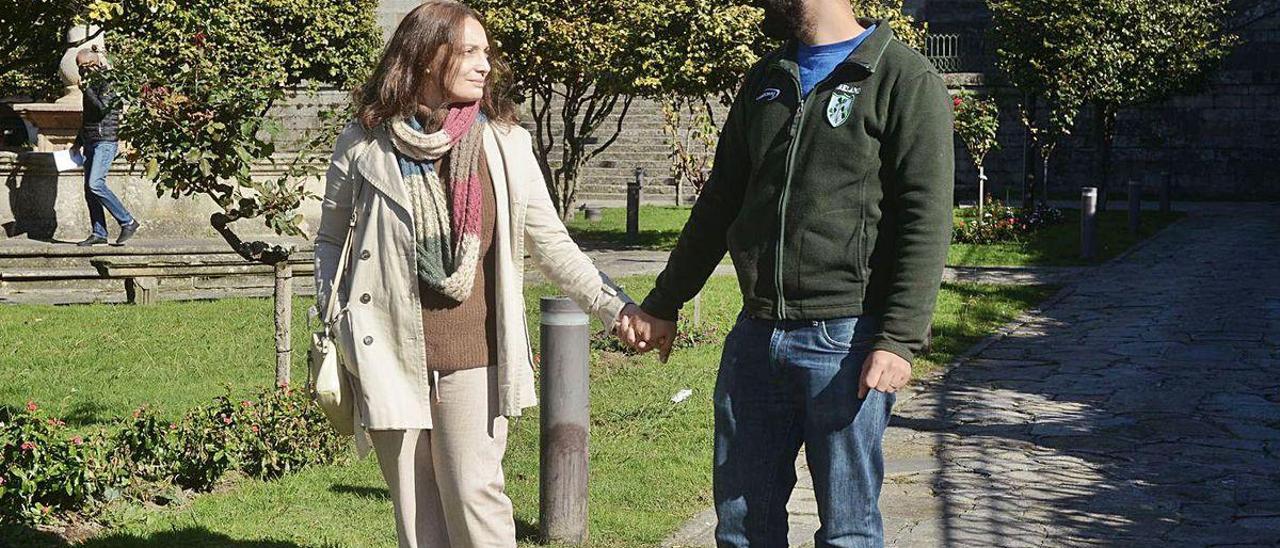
x=98 y=156
x=786 y=383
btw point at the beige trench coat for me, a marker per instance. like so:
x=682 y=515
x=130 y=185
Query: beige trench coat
x=379 y=332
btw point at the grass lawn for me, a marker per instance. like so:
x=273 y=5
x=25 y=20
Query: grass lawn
x=1059 y=245
x=650 y=458
x=1055 y=246
x=659 y=228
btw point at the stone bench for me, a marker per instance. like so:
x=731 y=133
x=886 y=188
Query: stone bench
x=140 y=274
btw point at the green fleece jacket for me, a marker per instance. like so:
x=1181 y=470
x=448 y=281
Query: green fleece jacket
x=833 y=205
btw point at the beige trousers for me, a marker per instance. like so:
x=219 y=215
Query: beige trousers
x=446 y=483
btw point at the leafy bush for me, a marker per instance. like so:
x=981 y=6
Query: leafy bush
x=47 y=473
x=44 y=469
x=1000 y=223
x=281 y=433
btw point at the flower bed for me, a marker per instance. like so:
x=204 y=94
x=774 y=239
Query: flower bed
x=1000 y=223
x=48 y=474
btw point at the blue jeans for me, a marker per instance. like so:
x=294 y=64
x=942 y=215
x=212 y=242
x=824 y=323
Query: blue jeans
x=98 y=156
x=786 y=383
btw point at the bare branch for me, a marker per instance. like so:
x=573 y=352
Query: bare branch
x=626 y=107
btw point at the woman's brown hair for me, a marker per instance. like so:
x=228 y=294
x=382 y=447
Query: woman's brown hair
x=395 y=87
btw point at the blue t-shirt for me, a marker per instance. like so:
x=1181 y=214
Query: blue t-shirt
x=817 y=62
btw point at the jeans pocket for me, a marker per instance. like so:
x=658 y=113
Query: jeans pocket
x=837 y=333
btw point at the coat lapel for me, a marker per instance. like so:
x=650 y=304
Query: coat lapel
x=380 y=168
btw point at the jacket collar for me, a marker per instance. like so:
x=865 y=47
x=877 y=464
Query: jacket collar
x=867 y=56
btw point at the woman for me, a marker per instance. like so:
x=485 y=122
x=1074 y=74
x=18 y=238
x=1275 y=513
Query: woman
x=447 y=194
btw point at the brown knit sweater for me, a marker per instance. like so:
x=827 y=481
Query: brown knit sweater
x=465 y=335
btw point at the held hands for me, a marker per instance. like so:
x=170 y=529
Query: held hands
x=883 y=371
x=644 y=332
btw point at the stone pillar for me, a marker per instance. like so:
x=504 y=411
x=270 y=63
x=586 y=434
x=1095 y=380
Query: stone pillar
x=390 y=12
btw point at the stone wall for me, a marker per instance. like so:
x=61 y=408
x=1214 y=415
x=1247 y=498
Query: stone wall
x=1220 y=143
x=37 y=202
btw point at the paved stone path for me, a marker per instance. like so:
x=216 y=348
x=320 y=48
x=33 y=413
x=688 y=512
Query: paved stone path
x=1139 y=408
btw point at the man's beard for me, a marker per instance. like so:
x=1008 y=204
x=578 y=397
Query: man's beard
x=783 y=19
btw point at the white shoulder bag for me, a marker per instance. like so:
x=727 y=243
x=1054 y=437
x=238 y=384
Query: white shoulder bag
x=330 y=386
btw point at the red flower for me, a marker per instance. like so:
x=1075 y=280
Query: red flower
x=254 y=428
x=226 y=419
x=28 y=445
x=199 y=38
x=77 y=441
x=3 y=481
x=957 y=100
x=31 y=407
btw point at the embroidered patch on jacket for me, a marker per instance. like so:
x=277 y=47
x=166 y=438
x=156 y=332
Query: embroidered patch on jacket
x=769 y=95
x=840 y=106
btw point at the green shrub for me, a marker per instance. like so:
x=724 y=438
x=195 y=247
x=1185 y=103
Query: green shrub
x=44 y=469
x=1001 y=223
x=47 y=473
x=282 y=432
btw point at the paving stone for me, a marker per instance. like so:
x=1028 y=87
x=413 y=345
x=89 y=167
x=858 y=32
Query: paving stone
x=1143 y=409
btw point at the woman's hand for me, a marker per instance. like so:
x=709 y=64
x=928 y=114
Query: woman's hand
x=644 y=332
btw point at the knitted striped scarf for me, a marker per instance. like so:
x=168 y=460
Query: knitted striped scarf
x=446 y=216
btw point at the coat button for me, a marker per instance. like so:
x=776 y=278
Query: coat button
x=368 y=341
x=364 y=299
x=364 y=255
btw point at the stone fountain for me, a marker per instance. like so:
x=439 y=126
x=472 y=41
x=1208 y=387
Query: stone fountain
x=56 y=124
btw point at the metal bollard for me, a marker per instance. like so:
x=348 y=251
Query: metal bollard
x=565 y=420
x=1166 y=199
x=1088 y=222
x=1135 y=207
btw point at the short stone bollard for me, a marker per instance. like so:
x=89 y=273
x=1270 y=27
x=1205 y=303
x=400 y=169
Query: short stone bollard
x=565 y=420
x=1135 y=207
x=1088 y=222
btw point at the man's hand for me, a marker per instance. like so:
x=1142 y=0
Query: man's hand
x=644 y=332
x=883 y=371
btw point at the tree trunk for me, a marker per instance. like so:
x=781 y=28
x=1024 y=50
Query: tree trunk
x=1030 y=152
x=1043 y=198
x=982 y=190
x=1104 y=135
x=284 y=322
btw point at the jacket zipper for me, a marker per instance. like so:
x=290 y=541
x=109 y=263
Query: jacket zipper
x=796 y=128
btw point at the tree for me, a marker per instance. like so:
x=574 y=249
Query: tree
x=977 y=122
x=199 y=79
x=689 y=125
x=579 y=63
x=1037 y=44
x=905 y=27
x=1143 y=52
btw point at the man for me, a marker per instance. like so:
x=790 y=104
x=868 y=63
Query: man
x=98 y=143
x=832 y=192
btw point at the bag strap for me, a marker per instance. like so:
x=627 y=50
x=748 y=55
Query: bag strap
x=331 y=308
